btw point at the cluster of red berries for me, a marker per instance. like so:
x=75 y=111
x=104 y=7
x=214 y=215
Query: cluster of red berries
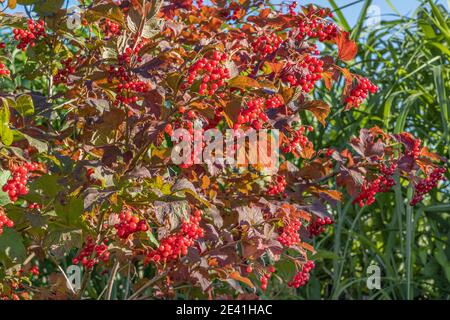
x=290 y=235
x=86 y=258
x=415 y=151
x=129 y=224
x=35 y=31
x=292 y=7
x=127 y=86
x=317 y=226
x=424 y=186
x=34 y=206
x=382 y=183
x=3 y=70
x=297 y=140
x=17 y=185
x=211 y=73
x=305 y=74
x=266 y=45
x=176 y=245
x=265 y=277
x=278 y=186
x=317 y=27
x=34 y=270
x=69 y=68
x=5 y=221
x=360 y=93
x=254 y=113
x=302 y=277
x=111 y=29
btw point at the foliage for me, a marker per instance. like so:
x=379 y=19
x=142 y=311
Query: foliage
x=88 y=114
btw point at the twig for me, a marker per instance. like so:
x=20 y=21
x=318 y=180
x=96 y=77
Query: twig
x=111 y=279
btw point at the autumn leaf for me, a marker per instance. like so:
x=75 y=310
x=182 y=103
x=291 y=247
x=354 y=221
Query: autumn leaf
x=237 y=276
x=347 y=49
x=319 y=108
x=243 y=82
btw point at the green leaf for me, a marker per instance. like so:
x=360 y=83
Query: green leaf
x=41 y=146
x=6 y=134
x=12 y=249
x=4 y=198
x=24 y=105
x=70 y=213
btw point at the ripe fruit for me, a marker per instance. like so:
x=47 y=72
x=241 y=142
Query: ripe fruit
x=5 y=221
x=266 y=45
x=176 y=245
x=382 y=183
x=425 y=185
x=129 y=224
x=302 y=277
x=289 y=233
x=277 y=186
x=86 y=256
x=209 y=71
x=317 y=226
x=360 y=93
x=16 y=186
x=36 y=30
x=304 y=74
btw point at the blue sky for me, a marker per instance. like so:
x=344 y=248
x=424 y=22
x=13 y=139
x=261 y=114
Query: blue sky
x=404 y=7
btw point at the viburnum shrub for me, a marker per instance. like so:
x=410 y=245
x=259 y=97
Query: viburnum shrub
x=87 y=172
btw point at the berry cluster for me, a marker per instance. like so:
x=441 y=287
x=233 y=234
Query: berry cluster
x=35 y=31
x=129 y=224
x=317 y=226
x=17 y=185
x=254 y=113
x=292 y=7
x=176 y=245
x=3 y=70
x=304 y=74
x=111 y=29
x=69 y=68
x=211 y=73
x=265 y=277
x=278 y=186
x=34 y=206
x=127 y=87
x=360 y=93
x=266 y=45
x=5 y=221
x=317 y=27
x=302 y=277
x=34 y=270
x=297 y=140
x=424 y=186
x=382 y=183
x=289 y=235
x=415 y=151
x=86 y=257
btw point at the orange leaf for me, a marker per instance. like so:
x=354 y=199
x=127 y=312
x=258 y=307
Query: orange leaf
x=319 y=108
x=237 y=276
x=347 y=49
x=243 y=82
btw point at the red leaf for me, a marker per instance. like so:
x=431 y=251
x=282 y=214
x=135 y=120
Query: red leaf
x=347 y=48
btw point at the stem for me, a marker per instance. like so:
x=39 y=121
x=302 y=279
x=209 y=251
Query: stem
x=111 y=279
